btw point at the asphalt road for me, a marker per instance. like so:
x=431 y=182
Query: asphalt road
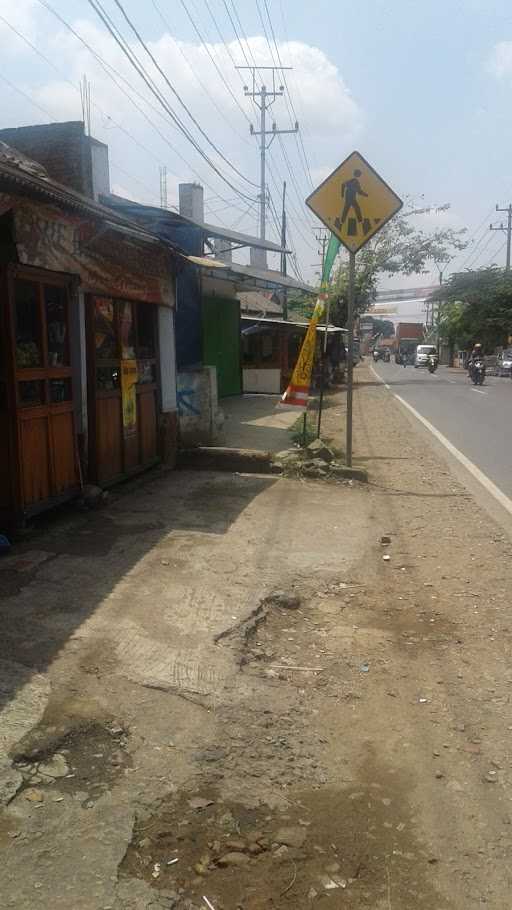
x=477 y=421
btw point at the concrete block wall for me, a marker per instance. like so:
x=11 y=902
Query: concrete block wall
x=200 y=418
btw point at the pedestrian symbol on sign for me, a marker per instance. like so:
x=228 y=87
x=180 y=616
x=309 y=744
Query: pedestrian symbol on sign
x=350 y=190
x=354 y=202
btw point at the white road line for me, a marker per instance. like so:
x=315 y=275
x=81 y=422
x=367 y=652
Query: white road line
x=472 y=468
x=479 y=391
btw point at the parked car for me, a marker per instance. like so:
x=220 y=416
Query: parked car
x=504 y=363
x=423 y=352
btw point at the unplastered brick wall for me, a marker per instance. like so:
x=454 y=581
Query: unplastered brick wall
x=62 y=148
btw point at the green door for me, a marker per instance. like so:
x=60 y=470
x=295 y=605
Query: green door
x=221 y=343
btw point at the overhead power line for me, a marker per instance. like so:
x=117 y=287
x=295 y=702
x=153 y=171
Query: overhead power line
x=492 y=258
x=198 y=79
x=469 y=254
x=139 y=68
x=264 y=98
x=237 y=36
x=177 y=95
x=289 y=102
x=506 y=230
x=479 y=255
x=115 y=78
x=76 y=88
x=212 y=58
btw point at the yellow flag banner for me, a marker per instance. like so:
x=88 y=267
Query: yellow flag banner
x=129 y=379
x=297 y=393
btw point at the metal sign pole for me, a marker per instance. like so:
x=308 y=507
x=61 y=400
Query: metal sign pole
x=350 y=353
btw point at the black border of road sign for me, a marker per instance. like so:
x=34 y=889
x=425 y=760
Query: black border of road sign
x=372 y=169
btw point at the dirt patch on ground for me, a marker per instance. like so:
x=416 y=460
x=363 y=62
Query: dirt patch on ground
x=356 y=846
x=86 y=760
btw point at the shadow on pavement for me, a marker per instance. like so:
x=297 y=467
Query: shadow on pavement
x=52 y=584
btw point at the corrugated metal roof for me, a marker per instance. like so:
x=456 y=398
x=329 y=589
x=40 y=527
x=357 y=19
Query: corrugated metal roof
x=208 y=230
x=268 y=321
x=259 y=303
x=246 y=276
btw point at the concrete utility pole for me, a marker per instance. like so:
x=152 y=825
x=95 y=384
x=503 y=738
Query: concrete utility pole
x=507 y=230
x=322 y=238
x=264 y=98
x=283 y=254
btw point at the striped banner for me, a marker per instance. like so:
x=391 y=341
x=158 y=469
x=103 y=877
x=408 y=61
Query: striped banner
x=297 y=393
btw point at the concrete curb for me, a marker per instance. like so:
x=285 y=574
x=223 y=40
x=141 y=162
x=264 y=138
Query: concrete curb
x=219 y=458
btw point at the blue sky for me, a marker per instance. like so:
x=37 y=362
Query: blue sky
x=422 y=89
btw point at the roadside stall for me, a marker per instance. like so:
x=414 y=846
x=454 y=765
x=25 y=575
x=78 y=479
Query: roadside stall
x=85 y=295
x=270 y=348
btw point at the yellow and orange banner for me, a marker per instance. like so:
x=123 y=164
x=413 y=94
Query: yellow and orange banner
x=297 y=393
x=129 y=395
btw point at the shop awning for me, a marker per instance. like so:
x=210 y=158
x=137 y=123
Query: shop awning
x=267 y=324
x=246 y=277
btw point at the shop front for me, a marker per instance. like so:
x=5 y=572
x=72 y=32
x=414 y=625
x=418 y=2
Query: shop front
x=87 y=369
x=270 y=348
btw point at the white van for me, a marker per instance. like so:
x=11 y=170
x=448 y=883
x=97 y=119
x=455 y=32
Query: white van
x=422 y=354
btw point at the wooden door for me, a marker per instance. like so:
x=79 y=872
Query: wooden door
x=6 y=459
x=48 y=467
x=122 y=388
x=104 y=391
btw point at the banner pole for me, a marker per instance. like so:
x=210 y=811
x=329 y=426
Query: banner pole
x=322 y=369
x=350 y=354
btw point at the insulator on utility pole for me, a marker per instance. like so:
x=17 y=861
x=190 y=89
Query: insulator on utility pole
x=264 y=98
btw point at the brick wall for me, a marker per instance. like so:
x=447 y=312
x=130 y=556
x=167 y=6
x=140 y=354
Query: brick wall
x=62 y=148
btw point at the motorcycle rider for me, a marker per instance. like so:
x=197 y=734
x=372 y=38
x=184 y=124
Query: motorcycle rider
x=476 y=354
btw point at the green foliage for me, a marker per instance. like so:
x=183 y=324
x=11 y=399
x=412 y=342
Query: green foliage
x=383 y=327
x=399 y=248
x=476 y=306
x=300 y=305
x=297 y=431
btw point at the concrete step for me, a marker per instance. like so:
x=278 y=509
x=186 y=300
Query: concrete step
x=220 y=458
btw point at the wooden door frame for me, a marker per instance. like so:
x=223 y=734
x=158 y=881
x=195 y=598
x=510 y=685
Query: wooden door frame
x=91 y=362
x=14 y=485
x=65 y=281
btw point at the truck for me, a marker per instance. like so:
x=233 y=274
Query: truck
x=408 y=336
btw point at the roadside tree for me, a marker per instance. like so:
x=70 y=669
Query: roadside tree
x=476 y=306
x=398 y=249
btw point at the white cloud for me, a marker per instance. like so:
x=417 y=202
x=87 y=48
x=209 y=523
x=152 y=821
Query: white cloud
x=21 y=15
x=329 y=117
x=500 y=60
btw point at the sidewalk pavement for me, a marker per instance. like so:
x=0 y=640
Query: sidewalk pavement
x=110 y=671
x=269 y=692
x=255 y=422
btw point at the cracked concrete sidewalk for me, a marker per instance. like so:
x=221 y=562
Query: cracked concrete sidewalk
x=108 y=658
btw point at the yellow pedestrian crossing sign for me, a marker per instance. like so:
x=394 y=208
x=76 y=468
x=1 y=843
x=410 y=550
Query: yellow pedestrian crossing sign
x=354 y=202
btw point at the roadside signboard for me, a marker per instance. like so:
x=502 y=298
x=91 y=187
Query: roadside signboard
x=354 y=202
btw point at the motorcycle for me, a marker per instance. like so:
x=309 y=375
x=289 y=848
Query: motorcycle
x=377 y=355
x=433 y=363
x=477 y=372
